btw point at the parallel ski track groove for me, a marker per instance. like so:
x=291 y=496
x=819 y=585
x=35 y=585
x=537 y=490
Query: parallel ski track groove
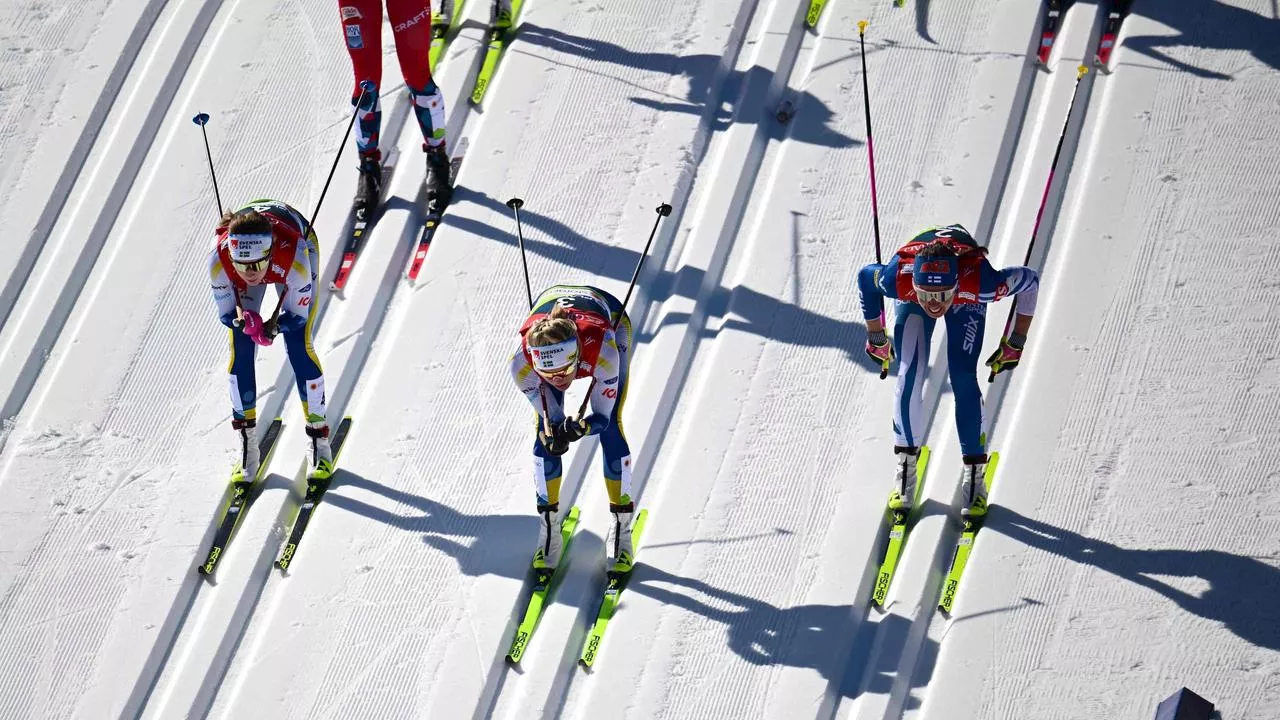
x=929 y=621
x=71 y=171
x=867 y=642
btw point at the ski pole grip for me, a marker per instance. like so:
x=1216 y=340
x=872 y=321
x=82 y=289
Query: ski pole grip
x=515 y=203
x=200 y=119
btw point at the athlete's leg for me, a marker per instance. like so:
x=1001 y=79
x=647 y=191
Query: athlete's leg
x=362 y=30
x=411 y=27
x=912 y=330
x=965 y=326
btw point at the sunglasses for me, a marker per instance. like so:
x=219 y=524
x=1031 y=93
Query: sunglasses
x=251 y=267
x=934 y=296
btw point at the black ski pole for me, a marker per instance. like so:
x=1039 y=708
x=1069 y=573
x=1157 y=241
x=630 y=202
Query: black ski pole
x=201 y=119
x=663 y=210
x=871 y=161
x=515 y=204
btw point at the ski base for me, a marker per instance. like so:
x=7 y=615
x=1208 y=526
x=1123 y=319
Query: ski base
x=542 y=581
x=961 y=557
x=898 y=535
x=498 y=38
x=612 y=596
x=316 y=488
x=239 y=500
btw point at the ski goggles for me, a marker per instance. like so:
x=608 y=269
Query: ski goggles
x=934 y=296
x=556 y=361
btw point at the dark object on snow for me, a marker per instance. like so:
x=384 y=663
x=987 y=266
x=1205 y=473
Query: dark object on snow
x=1185 y=705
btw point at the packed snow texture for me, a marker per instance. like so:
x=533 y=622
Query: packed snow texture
x=1131 y=547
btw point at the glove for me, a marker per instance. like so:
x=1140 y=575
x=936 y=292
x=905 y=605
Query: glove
x=573 y=430
x=880 y=350
x=553 y=443
x=1006 y=357
x=254 y=328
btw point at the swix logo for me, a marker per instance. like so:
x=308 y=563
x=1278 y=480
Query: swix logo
x=1002 y=290
x=971 y=331
x=413 y=20
x=350 y=13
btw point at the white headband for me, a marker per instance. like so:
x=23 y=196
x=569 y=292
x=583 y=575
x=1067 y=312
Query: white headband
x=250 y=248
x=554 y=357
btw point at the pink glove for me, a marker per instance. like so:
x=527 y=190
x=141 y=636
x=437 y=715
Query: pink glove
x=254 y=328
x=881 y=353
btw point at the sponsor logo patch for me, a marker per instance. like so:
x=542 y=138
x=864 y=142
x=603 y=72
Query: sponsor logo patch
x=349 y=13
x=355 y=40
x=413 y=21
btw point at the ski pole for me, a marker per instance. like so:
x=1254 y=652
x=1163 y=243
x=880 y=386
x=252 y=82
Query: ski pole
x=1044 y=198
x=366 y=86
x=201 y=119
x=871 y=160
x=515 y=204
x=663 y=210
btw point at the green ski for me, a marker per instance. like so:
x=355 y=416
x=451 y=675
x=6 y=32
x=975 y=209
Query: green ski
x=898 y=535
x=234 y=508
x=542 y=580
x=498 y=37
x=612 y=596
x=441 y=32
x=317 y=484
x=815 y=12
x=961 y=557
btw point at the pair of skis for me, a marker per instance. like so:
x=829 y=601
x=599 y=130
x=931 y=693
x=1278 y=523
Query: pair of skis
x=544 y=580
x=241 y=491
x=1051 y=21
x=899 y=528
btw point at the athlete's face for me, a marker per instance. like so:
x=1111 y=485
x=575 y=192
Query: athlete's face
x=935 y=300
x=251 y=273
x=561 y=379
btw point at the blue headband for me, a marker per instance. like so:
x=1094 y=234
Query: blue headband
x=935 y=271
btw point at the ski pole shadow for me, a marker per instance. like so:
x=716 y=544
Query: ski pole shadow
x=752 y=311
x=700 y=70
x=455 y=533
x=1242 y=589
x=1209 y=24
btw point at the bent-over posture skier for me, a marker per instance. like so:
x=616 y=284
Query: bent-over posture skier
x=942 y=273
x=269 y=243
x=411 y=28
x=569 y=334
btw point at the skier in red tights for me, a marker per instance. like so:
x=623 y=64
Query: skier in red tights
x=411 y=28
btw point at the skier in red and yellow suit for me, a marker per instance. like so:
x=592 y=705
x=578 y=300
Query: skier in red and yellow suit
x=268 y=243
x=569 y=335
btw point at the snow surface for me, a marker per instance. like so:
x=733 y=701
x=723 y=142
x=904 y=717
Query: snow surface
x=1132 y=549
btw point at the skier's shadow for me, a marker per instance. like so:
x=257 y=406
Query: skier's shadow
x=1212 y=24
x=752 y=311
x=444 y=528
x=700 y=70
x=1242 y=590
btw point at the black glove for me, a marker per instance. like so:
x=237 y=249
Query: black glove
x=270 y=328
x=573 y=430
x=553 y=443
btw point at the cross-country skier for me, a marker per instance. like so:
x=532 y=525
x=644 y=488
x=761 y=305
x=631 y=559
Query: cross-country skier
x=568 y=335
x=942 y=273
x=411 y=28
x=269 y=243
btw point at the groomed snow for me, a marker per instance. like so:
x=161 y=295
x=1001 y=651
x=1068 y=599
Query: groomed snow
x=1131 y=549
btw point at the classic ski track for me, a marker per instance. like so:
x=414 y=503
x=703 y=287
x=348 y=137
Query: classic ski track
x=642 y=308
x=340 y=386
x=97 y=182
x=63 y=188
x=915 y=665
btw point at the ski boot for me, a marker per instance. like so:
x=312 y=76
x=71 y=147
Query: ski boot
x=439 y=184
x=904 y=495
x=247 y=471
x=550 y=541
x=369 y=189
x=620 y=554
x=501 y=16
x=975 y=487
x=321 y=452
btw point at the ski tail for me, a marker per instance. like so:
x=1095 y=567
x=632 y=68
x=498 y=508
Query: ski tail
x=316 y=488
x=960 y=558
x=617 y=582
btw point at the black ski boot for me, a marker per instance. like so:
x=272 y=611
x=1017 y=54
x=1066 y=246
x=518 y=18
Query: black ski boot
x=369 y=189
x=439 y=184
